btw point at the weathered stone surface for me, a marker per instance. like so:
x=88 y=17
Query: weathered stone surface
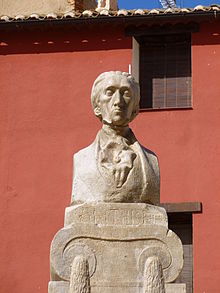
x=153 y=276
x=79 y=277
x=63 y=287
x=116 y=249
x=175 y=288
x=119 y=168
x=58 y=287
x=116 y=214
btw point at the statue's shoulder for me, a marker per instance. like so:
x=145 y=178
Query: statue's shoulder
x=85 y=153
x=89 y=151
x=86 y=158
x=152 y=159
x=149 y=153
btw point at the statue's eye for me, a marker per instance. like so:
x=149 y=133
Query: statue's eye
x=109 y=92
x=126 y=93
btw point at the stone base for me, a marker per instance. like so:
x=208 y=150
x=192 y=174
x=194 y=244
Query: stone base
x=63 y=287
x=58 y=287
x=116 y=240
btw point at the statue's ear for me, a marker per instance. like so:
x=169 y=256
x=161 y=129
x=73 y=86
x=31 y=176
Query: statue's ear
x=97 y=111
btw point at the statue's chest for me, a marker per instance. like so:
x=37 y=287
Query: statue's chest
x=124 y=179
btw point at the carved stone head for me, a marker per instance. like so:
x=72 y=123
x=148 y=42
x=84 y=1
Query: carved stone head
x=115 y=98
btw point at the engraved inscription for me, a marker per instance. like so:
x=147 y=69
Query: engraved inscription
x=117 y=216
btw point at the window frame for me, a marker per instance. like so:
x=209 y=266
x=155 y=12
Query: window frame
x=180 y=221
x=142 y=31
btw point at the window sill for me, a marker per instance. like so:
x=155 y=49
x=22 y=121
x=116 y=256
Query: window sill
x=183 y=207
x=165 y=109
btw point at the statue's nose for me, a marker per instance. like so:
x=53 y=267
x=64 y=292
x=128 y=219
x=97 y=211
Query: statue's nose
x=118 y=98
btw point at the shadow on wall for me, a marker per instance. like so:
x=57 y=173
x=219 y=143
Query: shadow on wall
x=48 y=38
x=208 y=35
x=51 y=40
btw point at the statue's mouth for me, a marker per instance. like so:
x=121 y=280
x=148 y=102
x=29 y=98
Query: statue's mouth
x=118 y=111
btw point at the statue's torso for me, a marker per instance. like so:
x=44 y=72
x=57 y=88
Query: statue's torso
x=113 y=171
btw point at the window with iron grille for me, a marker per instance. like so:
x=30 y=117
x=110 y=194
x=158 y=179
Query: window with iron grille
x=165 y=71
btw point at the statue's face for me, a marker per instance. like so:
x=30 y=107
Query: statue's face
x=116 y=100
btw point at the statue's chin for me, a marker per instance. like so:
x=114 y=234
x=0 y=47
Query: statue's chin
x=116 y=122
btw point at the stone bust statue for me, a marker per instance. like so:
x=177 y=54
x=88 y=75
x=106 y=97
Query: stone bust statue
x=115 y=167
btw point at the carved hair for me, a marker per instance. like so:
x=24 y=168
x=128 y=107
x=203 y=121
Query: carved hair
x=106 y=75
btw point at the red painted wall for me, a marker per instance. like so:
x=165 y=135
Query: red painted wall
x=45 y=116
x=188 y=145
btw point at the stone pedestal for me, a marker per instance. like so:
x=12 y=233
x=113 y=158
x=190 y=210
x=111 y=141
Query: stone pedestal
x=115 y=239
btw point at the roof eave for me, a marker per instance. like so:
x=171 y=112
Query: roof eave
x=149 y=19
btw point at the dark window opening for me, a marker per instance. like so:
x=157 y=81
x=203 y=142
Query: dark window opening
x=181 y=224
x=165 y=71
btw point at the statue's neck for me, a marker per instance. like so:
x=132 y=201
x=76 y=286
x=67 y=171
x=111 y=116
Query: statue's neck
x=111 y=130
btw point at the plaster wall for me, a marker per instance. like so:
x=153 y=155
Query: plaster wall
x=27 y=7
x=45 y=116
x=188 y=145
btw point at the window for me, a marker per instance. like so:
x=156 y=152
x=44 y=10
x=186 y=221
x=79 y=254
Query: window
x=180 y=221
x=181 y=224
x=165 y=71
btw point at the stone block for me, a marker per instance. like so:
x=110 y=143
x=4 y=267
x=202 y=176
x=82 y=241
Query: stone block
x=63 y=287
x=175 y=288
x=58 y=287
x=116 y=239
x=116 y=214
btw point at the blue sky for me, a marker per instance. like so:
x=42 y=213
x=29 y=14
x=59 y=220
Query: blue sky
x=148 y=4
